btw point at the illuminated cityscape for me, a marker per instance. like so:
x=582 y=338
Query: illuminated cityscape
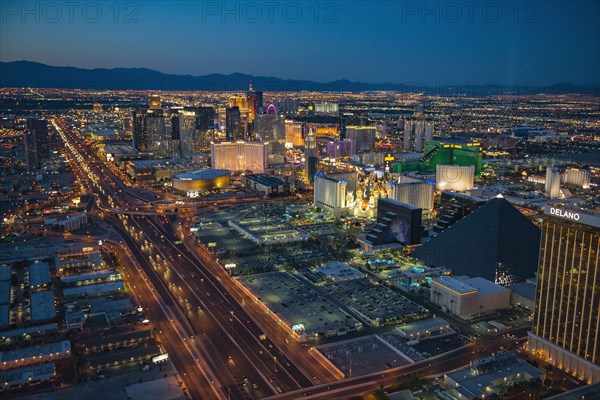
x=251 y=217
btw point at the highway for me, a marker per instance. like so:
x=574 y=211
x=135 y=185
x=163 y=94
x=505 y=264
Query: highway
x=159 y=305
x=217 y=333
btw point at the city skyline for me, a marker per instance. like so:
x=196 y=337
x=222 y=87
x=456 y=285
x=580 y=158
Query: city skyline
x=274 y=200
x=441 y=42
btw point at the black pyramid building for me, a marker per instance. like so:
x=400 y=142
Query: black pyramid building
x=495 y=242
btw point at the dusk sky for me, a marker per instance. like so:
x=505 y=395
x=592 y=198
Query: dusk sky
x=479 y=41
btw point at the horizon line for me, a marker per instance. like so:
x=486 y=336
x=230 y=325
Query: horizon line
x=422 y=84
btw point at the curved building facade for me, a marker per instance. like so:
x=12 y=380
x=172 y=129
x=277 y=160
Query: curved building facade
x=192 y=182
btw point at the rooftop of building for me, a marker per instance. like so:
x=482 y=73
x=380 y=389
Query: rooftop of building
x=266 y=180
x=162 y=164
x=484 y=286
x=42 y=305
x=424 y=324
x=524 y=289
x=30 y=372
x=39 y=350
x=455 y=285
x=94 y=290
x=51 y=327
x=472 y=384
x=118 y=338
x=339 y=270
x=201 y=174
x=102 y=274
x=378 y=303
x=296 y=302
x=269 y=231
x=120 y=149
x=5 y=271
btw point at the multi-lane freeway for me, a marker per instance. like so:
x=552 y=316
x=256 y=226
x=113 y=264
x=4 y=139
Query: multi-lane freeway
x=217 y=346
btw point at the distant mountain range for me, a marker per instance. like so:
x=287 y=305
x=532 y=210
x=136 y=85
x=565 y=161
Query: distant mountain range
x=37 y=75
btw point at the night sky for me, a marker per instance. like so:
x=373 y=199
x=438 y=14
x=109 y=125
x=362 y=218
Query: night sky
x=540 y=42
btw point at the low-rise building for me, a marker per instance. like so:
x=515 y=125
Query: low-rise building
x=88 y=278
x=42 y=306
x=339 y=271
x=467 y=298
x=43 y=353
x=91 y=260
x=68 y=224
x=522 y=294
x=490 y=375
x=27 y=375
x=271 y=232
x=39 y=275
x=99 y=289
x=267 y=185
x=425 y=329
x=159 y=170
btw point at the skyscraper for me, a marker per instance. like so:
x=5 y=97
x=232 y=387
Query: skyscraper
x=310 y=156
x=408 y=132
x=153 y=131
x=154 y=102
x=428 y=131
x=567 y=308
x=36 y=142
x=269 y=127
x=205 y=118
x=414 y=192
x=364 y=136
x=234 y=129
x=552 y=182
x=255 y=97
x=205 y=126
x=454 y=177
x=419 y=131
x=173 y=123
x=187 y=132
x=347 y=119
x=140 y=137
x=327 y=108
x=294 y=132
x=341 y=148
x=330 y=193
x=416 y=133
x=239 y=156
x=577 y=177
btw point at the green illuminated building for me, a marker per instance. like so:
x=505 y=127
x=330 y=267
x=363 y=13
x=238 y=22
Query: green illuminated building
x=444 y=154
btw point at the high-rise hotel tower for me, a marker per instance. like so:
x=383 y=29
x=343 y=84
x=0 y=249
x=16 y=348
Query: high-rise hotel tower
x=566 y=321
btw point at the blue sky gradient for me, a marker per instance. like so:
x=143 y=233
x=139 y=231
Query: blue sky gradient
x=431 y=42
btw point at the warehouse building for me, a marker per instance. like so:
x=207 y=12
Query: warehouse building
x=468 y=298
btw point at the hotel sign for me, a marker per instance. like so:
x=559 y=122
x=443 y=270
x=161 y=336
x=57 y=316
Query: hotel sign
x=580 y=216
x=565 y=213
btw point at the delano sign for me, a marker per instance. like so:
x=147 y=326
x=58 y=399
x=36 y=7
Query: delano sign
x=565 y=213
x=580 y=216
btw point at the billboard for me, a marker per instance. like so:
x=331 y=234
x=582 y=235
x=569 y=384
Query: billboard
x=402 y=222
